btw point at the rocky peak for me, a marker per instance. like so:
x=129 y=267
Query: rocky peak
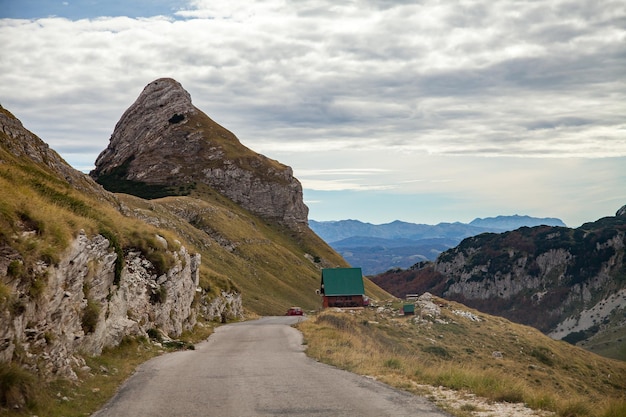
x=621 y=212
x=164 y=145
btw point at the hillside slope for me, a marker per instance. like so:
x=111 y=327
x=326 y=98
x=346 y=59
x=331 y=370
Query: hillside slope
x=568 y=283
x=488 y=365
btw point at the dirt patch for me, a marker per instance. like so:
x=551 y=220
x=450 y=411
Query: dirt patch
x=474 y=406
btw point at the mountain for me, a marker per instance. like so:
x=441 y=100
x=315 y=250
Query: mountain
x=163 y=145
x=568 y=283
x=82 y=269
x=378 y=248
x=333 y=231
x=515 y=222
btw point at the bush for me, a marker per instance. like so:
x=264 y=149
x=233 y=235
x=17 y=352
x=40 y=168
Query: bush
x=117 y=247
x=158 y=295
x=543 y=355
x=15 y=268
x=90 y=317
x=393 y=363
x=17 y=387
x=437 y=351
x=5 y=293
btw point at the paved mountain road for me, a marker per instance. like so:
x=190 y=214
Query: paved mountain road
x=255 y=368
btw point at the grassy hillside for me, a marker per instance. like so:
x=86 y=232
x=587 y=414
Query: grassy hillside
x=272 y=266
x=472 y=353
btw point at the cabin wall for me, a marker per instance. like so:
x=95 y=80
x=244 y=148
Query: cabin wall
x=343 y=301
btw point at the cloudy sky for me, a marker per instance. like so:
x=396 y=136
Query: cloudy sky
x=425 y=111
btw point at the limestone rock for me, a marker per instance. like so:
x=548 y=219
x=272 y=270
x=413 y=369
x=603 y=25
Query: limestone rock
x=51 y=331
x=164 y=145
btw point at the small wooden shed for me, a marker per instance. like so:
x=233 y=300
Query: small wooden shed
x=342 y=287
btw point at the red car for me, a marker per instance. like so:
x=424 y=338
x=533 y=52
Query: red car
x=294 y=311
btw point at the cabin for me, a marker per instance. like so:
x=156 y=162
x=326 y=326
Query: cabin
x=343 y=288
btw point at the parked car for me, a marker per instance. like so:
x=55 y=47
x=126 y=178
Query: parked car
x=294 y=311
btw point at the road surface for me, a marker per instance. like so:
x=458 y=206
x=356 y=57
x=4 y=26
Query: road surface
x=256 y=368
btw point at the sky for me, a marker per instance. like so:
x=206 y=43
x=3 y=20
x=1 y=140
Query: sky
x=424 y=111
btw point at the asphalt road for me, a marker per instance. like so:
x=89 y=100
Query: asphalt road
x=256 y=368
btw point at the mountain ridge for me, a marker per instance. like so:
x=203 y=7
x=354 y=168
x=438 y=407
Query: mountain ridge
x=399 y=244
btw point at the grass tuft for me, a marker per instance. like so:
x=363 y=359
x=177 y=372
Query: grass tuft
x=18 y=387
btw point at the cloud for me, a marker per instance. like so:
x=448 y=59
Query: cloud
x=367 y=79
x=468 y=78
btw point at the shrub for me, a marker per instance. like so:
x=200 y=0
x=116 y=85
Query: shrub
x=15 y=268
x=37 y=287
x=393 y=363
x=17 y=387
x=91 y=313
x=17 y=307
x=117 y=247
x=437 y=351
x=543 y=355
x=5 y=293
x=158 y=295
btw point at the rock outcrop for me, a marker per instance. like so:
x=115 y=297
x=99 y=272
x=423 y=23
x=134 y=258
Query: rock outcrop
x=163 y=145
x=82 y=308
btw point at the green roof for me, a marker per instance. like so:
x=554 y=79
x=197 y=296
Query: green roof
x=342 y=281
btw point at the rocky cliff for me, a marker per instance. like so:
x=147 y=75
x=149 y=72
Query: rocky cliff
x=82 y=309
x=569 y=283
x=163 y=145
x=77 y=276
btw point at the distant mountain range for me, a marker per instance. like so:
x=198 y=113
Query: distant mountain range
x=568 y=283
x=378 y=248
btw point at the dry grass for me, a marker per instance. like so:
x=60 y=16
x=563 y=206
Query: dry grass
x=455 y=352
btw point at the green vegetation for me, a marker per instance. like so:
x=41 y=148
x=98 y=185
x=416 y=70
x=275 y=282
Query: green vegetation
x=492 y=358
x=90 y=316
x=18 y=387
x=116 y=182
